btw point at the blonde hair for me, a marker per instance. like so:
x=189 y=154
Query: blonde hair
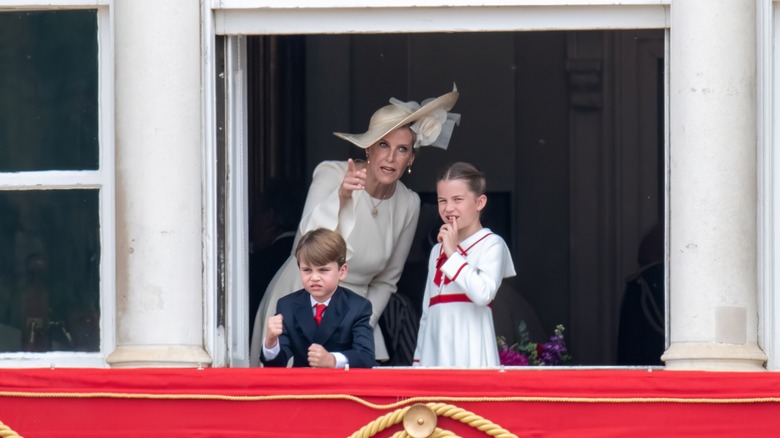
x=320 y=247
x=467 y=172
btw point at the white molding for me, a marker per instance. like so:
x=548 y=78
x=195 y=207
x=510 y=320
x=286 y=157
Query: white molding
x=214 y=339
x=667 y=191
x=251 y=4
x=52 y=4
x=53 y=360
x=430 y=19
x=768 y=164
x=237 y=290
x=107 y=192
x=57 y=179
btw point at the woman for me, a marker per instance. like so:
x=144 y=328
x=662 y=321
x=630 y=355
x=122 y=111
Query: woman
x=368 y=205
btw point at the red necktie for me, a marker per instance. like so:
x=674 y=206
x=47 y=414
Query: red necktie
x=319 y=309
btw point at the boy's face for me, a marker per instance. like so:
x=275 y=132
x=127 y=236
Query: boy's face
x=321 y=281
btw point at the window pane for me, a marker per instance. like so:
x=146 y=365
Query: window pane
x=49 y=89
x=49 y=271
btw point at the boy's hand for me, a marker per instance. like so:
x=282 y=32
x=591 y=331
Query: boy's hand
x=320 y=358
x=273 y=329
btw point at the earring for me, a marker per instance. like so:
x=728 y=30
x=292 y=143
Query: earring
x=409 y=169
x=368 y=159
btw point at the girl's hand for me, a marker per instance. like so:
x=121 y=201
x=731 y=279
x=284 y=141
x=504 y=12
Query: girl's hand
x=448 y=237
x=354 y=179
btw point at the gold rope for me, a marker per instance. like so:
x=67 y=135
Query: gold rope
x=473 y=420
x=407 y=401
x=440 y=409
x=381 y=423
x=7 y=432
x=437 y=433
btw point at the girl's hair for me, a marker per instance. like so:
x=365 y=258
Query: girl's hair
x=468 y=173
x=320 y=247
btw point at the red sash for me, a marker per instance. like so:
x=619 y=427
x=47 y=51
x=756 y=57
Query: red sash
x=451 y=298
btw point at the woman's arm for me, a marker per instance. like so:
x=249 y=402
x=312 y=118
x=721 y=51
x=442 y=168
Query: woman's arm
x=323 y=207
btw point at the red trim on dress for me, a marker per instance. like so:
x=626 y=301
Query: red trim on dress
x=458 y=271
x=451 y=298
x=439 y=276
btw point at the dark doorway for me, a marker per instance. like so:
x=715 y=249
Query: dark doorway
x=567 y=125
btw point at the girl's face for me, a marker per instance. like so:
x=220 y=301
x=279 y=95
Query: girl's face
x=457 y=203
x=391 y=156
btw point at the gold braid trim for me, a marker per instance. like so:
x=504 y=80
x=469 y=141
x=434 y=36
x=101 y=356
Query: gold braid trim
x=437 y=433
x=406 y=401
x=7 y=432
x=440 y=409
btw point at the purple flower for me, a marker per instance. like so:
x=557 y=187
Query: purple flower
x=526 y=353
x=507 y=356
x=550 y=354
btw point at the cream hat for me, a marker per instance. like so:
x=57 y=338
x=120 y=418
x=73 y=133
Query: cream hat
x=431 y=121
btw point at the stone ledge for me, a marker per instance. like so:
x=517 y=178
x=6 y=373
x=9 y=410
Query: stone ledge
x=159 y=356
x=711 y=356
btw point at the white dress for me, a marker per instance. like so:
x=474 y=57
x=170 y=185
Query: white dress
x=456 y=328
x=377 y=247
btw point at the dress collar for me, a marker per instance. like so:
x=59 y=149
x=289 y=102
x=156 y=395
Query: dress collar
x=467 y=243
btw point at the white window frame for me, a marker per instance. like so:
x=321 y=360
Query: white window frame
x=101 y=179
x=238 y=18
x=768 y=118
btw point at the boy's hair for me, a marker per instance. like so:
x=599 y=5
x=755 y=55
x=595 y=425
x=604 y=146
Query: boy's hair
x=320 y=247
x=468 y=173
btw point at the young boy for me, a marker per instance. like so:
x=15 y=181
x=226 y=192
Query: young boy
x=330 y=336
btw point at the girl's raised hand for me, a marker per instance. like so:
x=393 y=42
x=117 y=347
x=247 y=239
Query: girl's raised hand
x=354 y=179
x=448 y=236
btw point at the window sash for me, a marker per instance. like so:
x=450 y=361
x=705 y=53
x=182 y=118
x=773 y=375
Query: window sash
x=102 y=179
x=238 y=18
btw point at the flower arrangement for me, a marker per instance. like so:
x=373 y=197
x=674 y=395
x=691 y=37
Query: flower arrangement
x=527 y=353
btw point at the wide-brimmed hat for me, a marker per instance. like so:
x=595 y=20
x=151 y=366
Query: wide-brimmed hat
x=431 y=121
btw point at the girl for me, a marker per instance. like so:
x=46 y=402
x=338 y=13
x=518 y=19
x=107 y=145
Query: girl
x=465 y=270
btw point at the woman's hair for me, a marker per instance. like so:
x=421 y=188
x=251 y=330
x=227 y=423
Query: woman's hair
x=320 y=247
x=468 y=173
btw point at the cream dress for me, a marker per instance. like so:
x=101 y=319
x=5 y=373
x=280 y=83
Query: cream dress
x=457 y=331
x=377 y=247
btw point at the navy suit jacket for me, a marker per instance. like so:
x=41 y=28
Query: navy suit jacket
x=344 y=329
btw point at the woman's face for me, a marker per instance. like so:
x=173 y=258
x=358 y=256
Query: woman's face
x=391 y=156
x=457 y=203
